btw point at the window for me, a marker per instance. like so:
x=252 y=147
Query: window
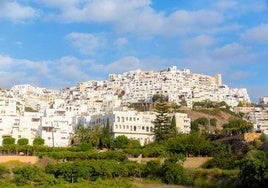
x=147 y=129
x=142 y=128
x=135 y=128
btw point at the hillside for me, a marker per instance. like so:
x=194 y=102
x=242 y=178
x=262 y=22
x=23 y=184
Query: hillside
x=220 y=115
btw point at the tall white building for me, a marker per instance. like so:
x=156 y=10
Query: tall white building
x=56 y=128
x=183 y=123
x=135 y=125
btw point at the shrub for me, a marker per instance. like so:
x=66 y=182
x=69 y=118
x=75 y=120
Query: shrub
x=38 y=142
x=23 y=141
x=8 y=141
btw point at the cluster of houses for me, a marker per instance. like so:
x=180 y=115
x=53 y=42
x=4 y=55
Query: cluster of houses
x=30 y=112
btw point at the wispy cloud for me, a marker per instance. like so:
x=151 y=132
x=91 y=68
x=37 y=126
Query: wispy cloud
x=87 y=43
x=12 y=10
x=257 y=34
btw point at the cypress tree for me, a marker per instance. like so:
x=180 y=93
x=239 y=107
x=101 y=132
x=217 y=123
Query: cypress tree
x=173 y=128
x=105 y=136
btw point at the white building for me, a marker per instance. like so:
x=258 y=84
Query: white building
x=135 y=125
x=17 y=127
x=183 y=123
x=7 y=106
x=132 y=124
x=56 y=128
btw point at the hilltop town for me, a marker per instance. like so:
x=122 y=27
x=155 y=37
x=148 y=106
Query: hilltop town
x=54 y=115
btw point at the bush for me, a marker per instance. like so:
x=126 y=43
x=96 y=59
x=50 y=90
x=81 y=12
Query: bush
x=152 y=169
x=173 y=173
x=85 y=146
x=38 y=142
x=23 y=141
x=254 y=169
x=8 y=141
x=3 y=170
x=222 y=160
x=26 y=174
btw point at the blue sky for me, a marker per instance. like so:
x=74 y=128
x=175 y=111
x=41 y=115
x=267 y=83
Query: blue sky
x=58 y=43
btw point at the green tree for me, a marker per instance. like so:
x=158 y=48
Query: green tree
x=173 y=128
x=82 y=134
x=95 y=135
x=105 y=139
x=23 y=141
x=254 y=169
x=222 y=160
x=173 y=173
x=8 y=141
x=156 y=97
x=162 y=123
x=89 y=135
x=152 y=169
x=237 y=126
x=25 y=175
x=121 y=142
x=38 y=141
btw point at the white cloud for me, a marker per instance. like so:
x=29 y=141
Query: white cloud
x=257 y=34
x=57 y=73
x=124 y=64
x=198 y=44
x=95 y=10
x=72 y=66
x=120 y=42
x=225 y=4
x=230 y=51
x=241 y=75
x=87 y=43
x=12 y=10
x=135 y=16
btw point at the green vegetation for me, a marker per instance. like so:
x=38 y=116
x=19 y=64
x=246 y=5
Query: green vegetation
x=8 y=141
x=38 y=142
x=97 y=160
x=237 y=126
x=23 y=141
x=84 y=165
x=164 y=126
